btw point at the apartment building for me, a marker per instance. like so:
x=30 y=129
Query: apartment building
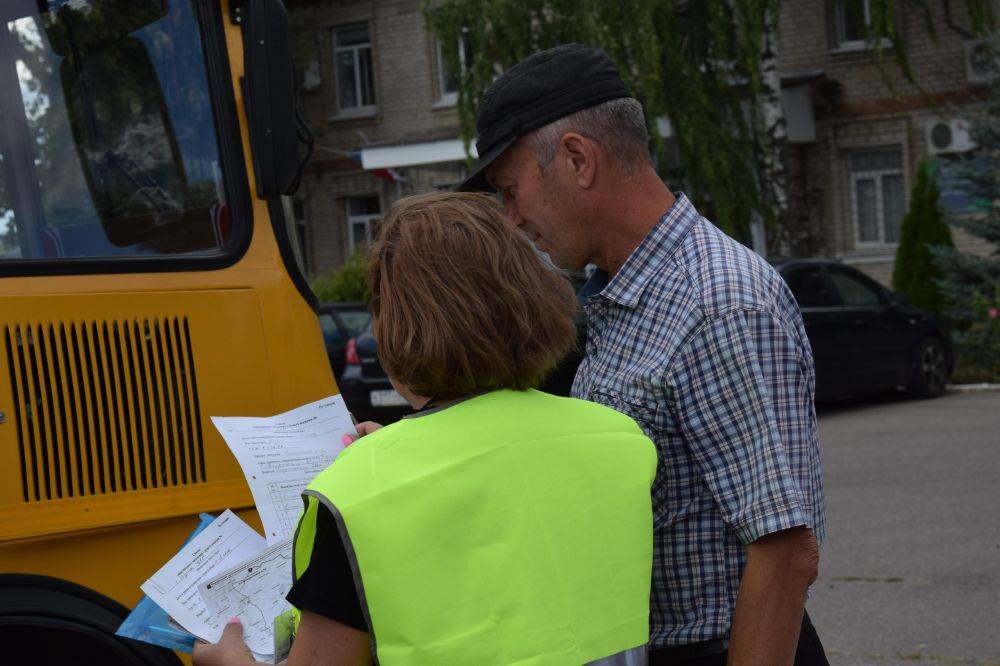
x=382 y=108
x=855 y=146
x=373 y=87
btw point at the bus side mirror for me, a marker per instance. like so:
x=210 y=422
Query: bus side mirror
x=269 y=94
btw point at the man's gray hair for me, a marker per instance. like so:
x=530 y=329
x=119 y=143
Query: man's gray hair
x=618 y=125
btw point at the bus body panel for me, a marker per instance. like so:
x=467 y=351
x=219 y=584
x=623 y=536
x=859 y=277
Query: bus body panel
x=256 y=349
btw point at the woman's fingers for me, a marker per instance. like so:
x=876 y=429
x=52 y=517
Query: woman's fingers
x=366 y=428
x=229 y=651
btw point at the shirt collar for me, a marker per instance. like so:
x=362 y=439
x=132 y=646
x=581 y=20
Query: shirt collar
x=653 y=252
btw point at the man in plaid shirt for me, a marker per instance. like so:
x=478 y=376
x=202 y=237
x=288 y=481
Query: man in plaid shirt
x=692 y=335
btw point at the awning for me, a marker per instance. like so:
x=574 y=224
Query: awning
x=431 y=152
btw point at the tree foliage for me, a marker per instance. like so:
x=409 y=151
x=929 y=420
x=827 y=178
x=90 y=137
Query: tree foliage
x=970 y=282
x=915 y=275
x=702 y=63
x=347 y=283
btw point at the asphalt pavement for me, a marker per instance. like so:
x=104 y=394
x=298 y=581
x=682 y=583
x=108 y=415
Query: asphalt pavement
x=910 y=569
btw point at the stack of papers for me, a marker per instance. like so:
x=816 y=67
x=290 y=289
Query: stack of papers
x=228 y=570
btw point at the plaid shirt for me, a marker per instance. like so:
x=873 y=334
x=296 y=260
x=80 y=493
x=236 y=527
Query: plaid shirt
x=699 y=340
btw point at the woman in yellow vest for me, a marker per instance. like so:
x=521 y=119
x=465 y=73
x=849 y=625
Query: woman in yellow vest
x=496 y=524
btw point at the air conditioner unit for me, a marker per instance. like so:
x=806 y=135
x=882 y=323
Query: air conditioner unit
x=949 y=136
x=980 y=62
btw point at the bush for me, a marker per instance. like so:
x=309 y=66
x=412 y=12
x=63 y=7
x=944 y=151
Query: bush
x=915 y=275
x=977 y=348
x=347 y=283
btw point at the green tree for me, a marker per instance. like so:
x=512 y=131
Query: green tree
x=970 y=283
x=347 y=283
x=708 y=65
x=915 y=275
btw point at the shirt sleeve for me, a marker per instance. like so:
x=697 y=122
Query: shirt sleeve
x=725 y=384
x=326 y=587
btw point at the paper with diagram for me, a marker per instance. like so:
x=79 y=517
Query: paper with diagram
x=281 y=454
x=253 y=591
x=226 y=542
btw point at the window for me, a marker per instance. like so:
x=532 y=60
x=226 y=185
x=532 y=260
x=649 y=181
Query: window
x=448 y=79
x=855 y=291
x=352 y=54
x=809 y=287
x=362 y=214
x=108 y=152
x=877 y=190
x=853 y=20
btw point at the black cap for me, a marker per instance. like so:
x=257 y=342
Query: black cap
x=541 y=89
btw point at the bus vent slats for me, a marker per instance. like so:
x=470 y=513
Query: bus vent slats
x=104 y=406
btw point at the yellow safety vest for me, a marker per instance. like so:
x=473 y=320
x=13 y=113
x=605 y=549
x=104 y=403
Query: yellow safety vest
x=513 y=527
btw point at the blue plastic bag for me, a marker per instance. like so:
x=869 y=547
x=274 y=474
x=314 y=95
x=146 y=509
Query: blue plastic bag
x=149 y=623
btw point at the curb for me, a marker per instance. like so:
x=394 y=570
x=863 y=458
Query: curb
x=972 y=388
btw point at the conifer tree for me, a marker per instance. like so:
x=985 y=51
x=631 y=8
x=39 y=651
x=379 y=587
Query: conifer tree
x=915 y=275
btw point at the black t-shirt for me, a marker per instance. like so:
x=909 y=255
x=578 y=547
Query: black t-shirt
x=327 y=586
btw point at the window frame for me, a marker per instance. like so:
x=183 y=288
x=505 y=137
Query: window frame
x=876 y=175
x=352 y=243
x=840 y=27
x=445 y=97
x=361 y=110
x=232 y=162
x=841 y=43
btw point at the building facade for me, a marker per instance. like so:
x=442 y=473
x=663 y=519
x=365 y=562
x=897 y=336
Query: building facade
x=382 y=110
x=850 y=180
x=373 y=87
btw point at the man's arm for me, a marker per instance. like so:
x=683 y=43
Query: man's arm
x=768 y=618
x=744 y=405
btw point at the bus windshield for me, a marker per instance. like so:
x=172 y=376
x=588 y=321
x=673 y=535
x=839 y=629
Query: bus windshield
x=108 y=146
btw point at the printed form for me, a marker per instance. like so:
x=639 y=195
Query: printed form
x=253 y=591
x=280 y=455
x=226 y=542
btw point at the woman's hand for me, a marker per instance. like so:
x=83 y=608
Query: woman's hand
x=229 y=651
x=366 y=428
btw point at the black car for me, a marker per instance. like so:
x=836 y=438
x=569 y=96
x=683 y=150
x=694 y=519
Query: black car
x=340 y=322
x=370 y=396
x=864 y=337
x=364 y=384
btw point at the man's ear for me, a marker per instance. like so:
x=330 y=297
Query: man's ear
x=579 y=155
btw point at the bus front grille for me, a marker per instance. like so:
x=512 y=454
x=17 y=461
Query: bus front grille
x=104 y=406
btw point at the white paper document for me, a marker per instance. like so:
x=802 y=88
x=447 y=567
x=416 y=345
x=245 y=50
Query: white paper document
x=253 y=591
x=226 y=542
x=280 y=455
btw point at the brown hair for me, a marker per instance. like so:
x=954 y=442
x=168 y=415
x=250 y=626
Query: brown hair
x=460 y=300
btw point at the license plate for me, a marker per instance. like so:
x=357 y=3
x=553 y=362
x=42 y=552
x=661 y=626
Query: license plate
x=388 y=398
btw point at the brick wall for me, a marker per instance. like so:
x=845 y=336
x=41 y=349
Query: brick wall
x=862 y=101
x=408 y=109
x=859 y=101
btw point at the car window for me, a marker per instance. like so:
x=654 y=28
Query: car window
x=355 y=320
x=809 y=287
x=327 y=323
x=854 y=290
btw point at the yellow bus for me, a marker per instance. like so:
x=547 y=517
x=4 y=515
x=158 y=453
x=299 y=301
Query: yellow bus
x=148 y=281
